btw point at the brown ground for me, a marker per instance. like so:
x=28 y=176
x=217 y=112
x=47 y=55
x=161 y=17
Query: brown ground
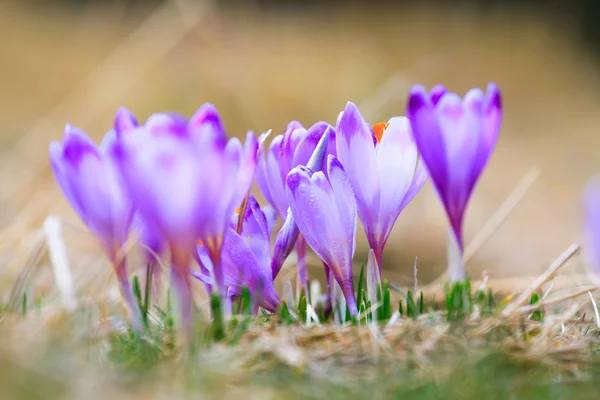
x=262 y=71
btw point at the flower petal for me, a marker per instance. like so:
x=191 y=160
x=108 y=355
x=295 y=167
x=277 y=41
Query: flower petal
x=166 y=124
x=308 y=143
x=294 y=133
x=125 y=122
x=592 y=215
x=428 y=137
x=247 y=169
x=207 y=128
x=355 y=150
x=396 y=158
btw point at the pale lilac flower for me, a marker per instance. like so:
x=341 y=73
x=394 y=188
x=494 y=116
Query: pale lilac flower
x=383 y=167
x=246 y=259
x=592 y=215
x=294 y=147
x=89 y=179
x=185 y=179
x=455 y=138
x=324 y=208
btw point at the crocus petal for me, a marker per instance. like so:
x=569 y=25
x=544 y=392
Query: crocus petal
x=241 y=268
x=164 y=177
x=420 y=177
x=255 y=232
x=271 y=218
x=428 y=136
x=206 y=127
x=77 y=145
x=60 y=173
x=150 y=237
x=166 y=124
x=313 y=205
x=357 y=154
x=592 y=215
x=308 y=143
x=345 y=202
x=492 y=120
x=125 y=122
x=294 y=133
x=91 y=183
x=284 y=243
x=248 y=166
x=436 y=93
x=275 y=183
x=396 y=160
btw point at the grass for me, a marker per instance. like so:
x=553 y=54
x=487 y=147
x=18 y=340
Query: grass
x=458 y=347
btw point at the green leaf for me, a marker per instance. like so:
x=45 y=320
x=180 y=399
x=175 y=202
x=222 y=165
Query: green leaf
x=302 y=309
x=246 y=301
x=536 y=315
x=411 y=310
x=218 y=328
x=400 y=308
x=284 y=314
x=360 y=293
x=24 y=304
x=387 y=307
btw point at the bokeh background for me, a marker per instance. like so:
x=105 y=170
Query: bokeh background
x=263 y=63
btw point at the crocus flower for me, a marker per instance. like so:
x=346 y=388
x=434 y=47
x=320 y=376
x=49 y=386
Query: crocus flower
x=383 y=167
x=455 y=138
x=294 y=147
x=89 y=179
x=592 y=215
x=246 y=258
x=185 y=179
x=324 y=208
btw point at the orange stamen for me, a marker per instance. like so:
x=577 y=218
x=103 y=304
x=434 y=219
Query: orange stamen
x=378 y=129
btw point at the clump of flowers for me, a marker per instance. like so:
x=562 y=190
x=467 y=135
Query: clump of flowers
x=179 y=181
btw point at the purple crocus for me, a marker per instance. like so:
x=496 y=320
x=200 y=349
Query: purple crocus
x=186 y=179
x=89 y=179
x=592 y=215
x=246 y=258
x=383 y=167
x=455 y=138
x=294 y=147
x=324 y=208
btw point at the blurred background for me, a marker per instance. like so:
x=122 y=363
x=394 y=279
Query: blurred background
x=263 y=63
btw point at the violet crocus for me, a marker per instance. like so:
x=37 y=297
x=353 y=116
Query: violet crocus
x=455 y=138
x=185 y=179
x=246 y=259
x=89 y=179
x=324 y=208
x=294 y=147
x=384 y=169
x=592 y=216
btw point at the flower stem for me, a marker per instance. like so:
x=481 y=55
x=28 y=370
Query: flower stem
x=134 y=309
x=180 y=284
x=348 y=292
x=302 y=282
x=456 y=263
